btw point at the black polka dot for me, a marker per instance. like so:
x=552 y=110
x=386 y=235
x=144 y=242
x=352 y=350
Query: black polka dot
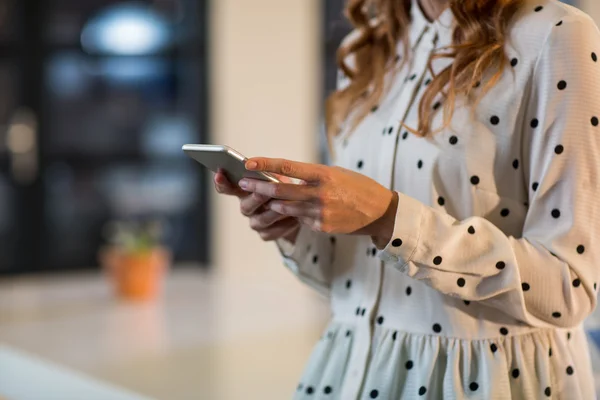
x=493 y=347
x=373 y=109
x=357 y=310
x=562 y=85
x=515 y=164
x=471 y=230
x=495 y=120
x=409 y=364
x=404 y=135
x=437 y=260
x=594 y=57
x=534 y=123
x=474 y=179
x=374 y=394
x=559 y=23
x=556 y=213
x=500 y=264
x=576 y=282
x=441 y=201
x=594 y=121
x=420 y=164
x=437 y=105
x=515 y=373
x=453 y=140
x=310 y=390
x=548 y=392
x=503 y=331
x=315 y=259
x=380 y=320
x=559 y=149
x=568 y=335
x=594 y=285
x=556 y=314
x=525 y=286
x=534 y=186
x=394 y=335
x=427 y=82
x=408 y=290
x=437 y=328
x=348 y=333
x=550 y=352
x=467 y=302
x=412 y=77
x=397 y=242
x=373 y=251
x=359 y=164
x=477 y=84
x=422 y=390
x=504 y=212
x=332 y=239
x=539 y=8
x=460 y=282
x=514 y=62
x=390 y=130
x=569 y=370
x=348 y=284
x=473 y=386
x=327 y=389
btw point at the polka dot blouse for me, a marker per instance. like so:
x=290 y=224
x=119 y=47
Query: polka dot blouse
x=495 y=256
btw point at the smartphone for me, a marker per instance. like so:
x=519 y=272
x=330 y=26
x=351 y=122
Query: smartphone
x=214 y=156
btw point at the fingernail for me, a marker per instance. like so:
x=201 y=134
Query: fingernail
x=251 y=165
x=243 y=183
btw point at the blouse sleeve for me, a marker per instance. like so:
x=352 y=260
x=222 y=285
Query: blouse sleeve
x=310 y=258
x=548 y=277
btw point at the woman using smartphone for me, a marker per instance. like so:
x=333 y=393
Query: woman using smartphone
x=456 y=231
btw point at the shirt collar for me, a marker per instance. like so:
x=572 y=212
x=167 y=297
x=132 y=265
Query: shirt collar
x=440 y=31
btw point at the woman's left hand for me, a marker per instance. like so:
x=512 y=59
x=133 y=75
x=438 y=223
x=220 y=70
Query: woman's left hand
x=334 y=199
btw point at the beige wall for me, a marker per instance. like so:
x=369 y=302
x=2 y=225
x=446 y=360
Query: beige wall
x=592 y=7
x=265 y=101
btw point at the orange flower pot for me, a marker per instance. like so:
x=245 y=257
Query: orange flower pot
x=136 y=275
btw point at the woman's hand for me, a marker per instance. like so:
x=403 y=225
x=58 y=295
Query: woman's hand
x=334 y=199
x=269 y=224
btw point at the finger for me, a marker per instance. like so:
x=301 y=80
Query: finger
x=266 y=219
x=223 y=186
x=278 y=229
x=251 y=203
x=284 y=191
x=298 y=209
x=294 y=169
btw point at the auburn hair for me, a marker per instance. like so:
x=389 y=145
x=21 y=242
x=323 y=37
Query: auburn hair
x=478 y=39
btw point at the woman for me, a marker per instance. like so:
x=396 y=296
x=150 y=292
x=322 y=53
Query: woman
x=455 y=234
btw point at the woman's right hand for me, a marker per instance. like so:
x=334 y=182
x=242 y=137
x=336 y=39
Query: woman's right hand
x=269 y=224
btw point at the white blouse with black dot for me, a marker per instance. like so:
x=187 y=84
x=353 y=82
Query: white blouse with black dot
x=493 y=264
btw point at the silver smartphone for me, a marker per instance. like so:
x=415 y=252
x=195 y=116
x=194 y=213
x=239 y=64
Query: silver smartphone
x=214 y=156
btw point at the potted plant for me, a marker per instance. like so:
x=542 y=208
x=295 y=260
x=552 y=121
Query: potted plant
x=135 y=259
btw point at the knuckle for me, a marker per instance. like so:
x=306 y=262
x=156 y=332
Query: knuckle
x=287 y=168
x=257 y=197
x=264 y=235
x=276 y=190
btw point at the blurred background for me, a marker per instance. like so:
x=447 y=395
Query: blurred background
x=121 y=271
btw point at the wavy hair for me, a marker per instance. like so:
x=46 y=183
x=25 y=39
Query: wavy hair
x=477 y=46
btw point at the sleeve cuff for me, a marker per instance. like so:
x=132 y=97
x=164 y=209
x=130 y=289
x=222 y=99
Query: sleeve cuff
x=294 y=252
x=407 y=232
